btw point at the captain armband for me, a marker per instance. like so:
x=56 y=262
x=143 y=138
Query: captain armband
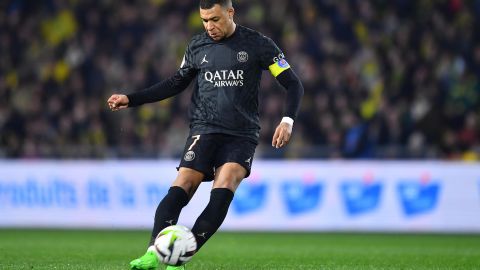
x=278 y=67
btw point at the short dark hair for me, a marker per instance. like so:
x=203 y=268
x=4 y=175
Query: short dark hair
x=208 y=4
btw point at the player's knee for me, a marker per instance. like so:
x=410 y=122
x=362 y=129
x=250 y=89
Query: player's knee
x=229 y=176
x=186 y=184
x=189 y=180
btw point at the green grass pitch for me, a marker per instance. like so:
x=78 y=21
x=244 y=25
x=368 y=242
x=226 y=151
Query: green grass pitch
x=96 y=250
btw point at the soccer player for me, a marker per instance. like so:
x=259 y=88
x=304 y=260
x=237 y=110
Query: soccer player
x=226 y=64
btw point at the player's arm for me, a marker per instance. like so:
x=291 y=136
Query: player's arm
x=272 y=58
x=290 y=81
x=160 y=91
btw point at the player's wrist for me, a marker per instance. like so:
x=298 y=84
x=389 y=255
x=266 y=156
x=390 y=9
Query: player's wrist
x=287 y=120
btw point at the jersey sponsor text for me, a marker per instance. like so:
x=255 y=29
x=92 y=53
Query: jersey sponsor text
x=224 y=78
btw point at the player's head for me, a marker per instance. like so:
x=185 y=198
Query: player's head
x=217 y=17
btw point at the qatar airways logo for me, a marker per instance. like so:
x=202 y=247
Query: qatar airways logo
x=224 y=78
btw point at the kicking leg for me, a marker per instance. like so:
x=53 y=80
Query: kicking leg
x=178 y=196
x=228 y=177
x=168 y=212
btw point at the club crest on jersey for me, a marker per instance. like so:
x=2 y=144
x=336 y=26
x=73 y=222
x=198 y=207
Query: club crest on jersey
x=242 y=56
x=189 y=156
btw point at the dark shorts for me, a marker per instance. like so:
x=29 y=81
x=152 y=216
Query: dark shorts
x=205 y=153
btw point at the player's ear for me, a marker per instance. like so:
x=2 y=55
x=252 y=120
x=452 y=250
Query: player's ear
x=231 y=12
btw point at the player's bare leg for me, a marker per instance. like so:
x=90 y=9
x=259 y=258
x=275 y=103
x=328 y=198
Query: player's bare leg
x=230 y=175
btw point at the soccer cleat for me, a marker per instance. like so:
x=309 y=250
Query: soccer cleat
x=181 y=267
x=149 y=261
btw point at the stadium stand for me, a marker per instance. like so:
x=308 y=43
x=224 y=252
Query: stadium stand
x=383 y=79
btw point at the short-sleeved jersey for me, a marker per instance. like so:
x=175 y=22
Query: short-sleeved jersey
x=227 y=77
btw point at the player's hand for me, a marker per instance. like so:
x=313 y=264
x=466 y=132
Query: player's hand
x=282 y=135
x=117 y=102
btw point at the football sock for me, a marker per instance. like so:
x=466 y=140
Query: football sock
x=168 y=210
x=213 y=215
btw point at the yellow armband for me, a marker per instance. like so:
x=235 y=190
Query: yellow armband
x=278 y=67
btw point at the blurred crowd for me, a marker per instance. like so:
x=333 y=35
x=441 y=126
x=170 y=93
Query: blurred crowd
x=394 y=79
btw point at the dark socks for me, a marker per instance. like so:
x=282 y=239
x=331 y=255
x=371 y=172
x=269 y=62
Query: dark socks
x=213 y=215
x=168 y=210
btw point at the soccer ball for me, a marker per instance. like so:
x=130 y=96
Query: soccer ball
x=175 y=245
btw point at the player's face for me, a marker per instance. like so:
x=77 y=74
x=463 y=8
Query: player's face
x=218 y=21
